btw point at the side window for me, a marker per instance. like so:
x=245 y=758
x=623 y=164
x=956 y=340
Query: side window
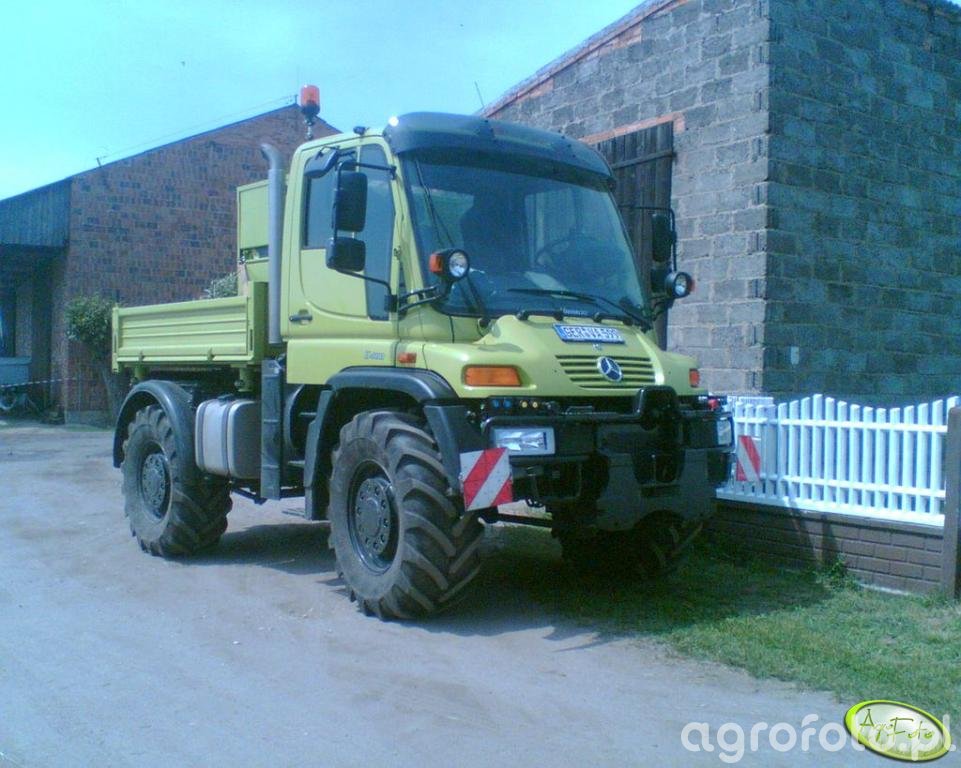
x=378 y=233
x=319 y=204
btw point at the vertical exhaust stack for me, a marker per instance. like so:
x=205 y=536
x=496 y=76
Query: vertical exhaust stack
x=275 y=230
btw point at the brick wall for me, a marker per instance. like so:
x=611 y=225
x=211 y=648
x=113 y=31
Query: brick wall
x=702 y=64
x=159 y=226
x=864 y=274
x=901 y=556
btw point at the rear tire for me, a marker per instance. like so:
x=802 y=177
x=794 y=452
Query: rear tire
x=404 y=546
x=664 y=541
x=652 y=549
x=173 y=510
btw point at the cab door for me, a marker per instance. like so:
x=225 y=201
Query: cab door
x=338 y=320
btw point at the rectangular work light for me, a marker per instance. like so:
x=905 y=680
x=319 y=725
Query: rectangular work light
x=525 y=441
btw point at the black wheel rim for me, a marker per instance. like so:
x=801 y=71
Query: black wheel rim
x=372 y=519
x=155 y=482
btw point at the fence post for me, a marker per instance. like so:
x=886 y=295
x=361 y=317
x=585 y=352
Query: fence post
x=950 y=565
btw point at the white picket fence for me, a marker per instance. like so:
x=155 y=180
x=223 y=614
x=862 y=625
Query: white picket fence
x=827 y=455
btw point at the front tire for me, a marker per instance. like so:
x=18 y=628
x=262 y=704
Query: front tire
x=404 y=546
x=173 y=510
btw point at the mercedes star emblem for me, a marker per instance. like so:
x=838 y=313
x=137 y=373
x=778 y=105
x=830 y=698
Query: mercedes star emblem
x=609 y=368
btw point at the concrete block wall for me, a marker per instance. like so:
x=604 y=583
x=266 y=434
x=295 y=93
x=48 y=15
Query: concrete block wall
x=864 y=251
x=702 y=64
x=158 y=227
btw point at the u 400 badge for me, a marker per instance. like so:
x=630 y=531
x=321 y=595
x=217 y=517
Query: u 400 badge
x=898 y=730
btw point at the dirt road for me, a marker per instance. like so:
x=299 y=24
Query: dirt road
x=253 y=656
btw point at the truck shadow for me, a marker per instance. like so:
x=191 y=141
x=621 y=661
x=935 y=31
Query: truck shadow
x=297 y=548
x=524 y=585
x=497 y=602
x=524 y=576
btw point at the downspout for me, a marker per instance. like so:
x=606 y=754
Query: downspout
x=275 y=232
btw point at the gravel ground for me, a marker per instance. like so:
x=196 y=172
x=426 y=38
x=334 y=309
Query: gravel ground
x=251 y=655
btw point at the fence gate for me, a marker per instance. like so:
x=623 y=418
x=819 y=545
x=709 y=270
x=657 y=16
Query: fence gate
x=642 y=163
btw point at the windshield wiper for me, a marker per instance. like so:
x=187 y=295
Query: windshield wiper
x=623 y=313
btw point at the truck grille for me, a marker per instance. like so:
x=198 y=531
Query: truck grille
x=582 y=370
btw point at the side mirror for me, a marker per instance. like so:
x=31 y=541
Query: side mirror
x=346 y=254
x=350 y=203
x=662 y=237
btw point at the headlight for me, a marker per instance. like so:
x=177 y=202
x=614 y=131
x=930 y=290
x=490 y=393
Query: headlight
x=525 y=441
x=725 y=432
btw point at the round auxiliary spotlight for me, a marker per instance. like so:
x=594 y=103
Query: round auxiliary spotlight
x=678 y=284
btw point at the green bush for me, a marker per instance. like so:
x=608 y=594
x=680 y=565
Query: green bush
x=88 y=322
x=222 y=287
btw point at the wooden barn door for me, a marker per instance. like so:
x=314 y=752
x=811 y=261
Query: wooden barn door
x=642 y=163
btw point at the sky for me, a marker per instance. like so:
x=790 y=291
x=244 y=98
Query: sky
x=105 y=79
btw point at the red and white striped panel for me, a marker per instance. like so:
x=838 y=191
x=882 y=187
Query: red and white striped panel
x=486 y=476
x=748 y=459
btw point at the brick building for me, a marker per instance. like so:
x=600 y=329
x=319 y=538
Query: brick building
x=812 y=152
x=151 y=228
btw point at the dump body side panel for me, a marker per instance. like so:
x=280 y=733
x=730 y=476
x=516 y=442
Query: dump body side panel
x=228 y=330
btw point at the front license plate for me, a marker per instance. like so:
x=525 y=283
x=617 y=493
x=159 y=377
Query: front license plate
x=589 y=334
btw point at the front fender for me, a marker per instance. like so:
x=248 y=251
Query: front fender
x=435 y=397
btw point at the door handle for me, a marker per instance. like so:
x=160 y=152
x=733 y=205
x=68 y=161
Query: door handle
x=302 y=317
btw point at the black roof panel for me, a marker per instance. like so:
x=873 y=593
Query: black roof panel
x=437 y=130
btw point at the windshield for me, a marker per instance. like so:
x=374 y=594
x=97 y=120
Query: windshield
x=532 y=232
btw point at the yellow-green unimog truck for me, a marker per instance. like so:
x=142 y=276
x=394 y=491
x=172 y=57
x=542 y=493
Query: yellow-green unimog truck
x=438 y=319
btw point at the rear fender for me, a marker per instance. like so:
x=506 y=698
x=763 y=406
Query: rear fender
x=177 y=404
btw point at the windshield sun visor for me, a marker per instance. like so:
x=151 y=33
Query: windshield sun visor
x=425 y=131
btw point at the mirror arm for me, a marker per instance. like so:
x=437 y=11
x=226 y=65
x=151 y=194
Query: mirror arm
x=368 y=278
x=437 y=292
x=390 y=300
x=418 y=292
x=660 y=306
x=348 y=164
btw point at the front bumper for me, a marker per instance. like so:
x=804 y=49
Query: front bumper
x=610 y=470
